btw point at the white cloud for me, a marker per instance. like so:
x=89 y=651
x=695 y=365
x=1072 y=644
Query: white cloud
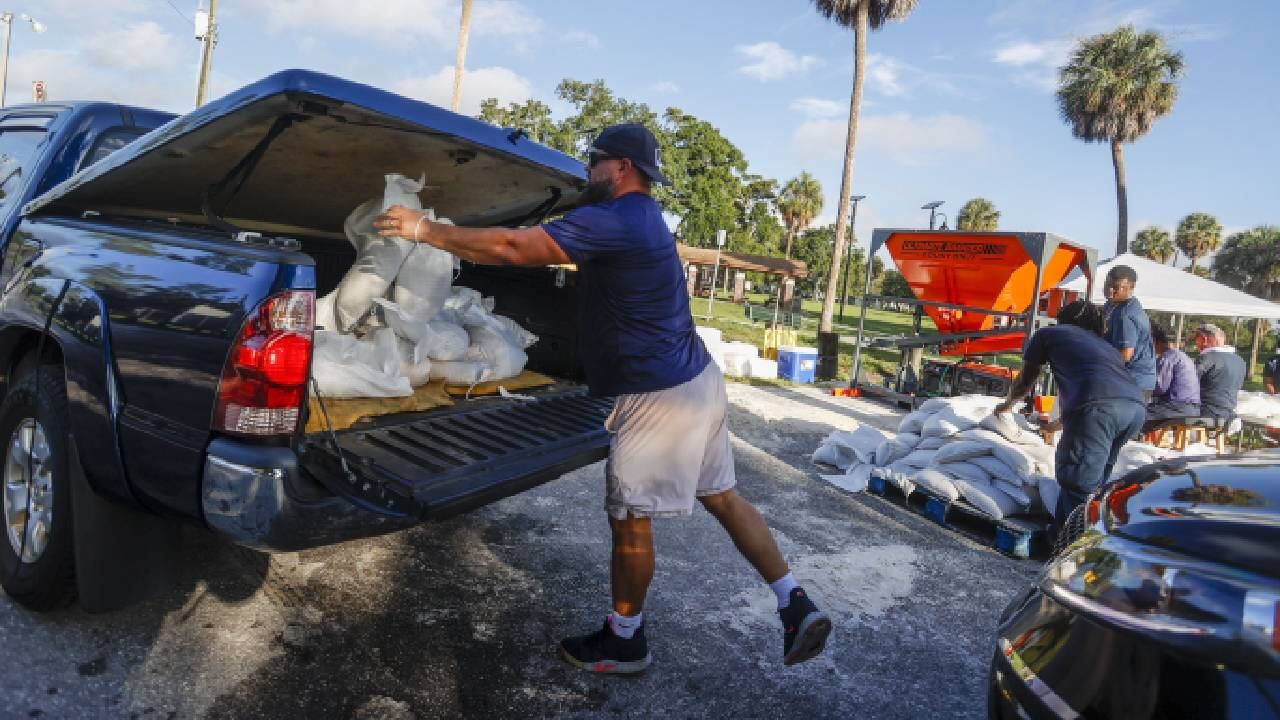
x=884 y=73
x=477 y=86
x=582 y=37
x=68 y=76
x=819 y=107
x=665 y=87
x=906 y=138
x=774 y=62
x=504 y=17
x=1048 y=52
x=140 y=46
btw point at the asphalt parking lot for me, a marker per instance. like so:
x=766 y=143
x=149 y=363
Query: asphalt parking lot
x=462 y=618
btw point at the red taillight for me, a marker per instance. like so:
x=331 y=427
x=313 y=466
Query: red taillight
x=265 y=378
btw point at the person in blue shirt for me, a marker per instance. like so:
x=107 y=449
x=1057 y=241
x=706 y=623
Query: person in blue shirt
x=1127 y=327
x=1177 y=391
x=1102 y=408
x=670 y=440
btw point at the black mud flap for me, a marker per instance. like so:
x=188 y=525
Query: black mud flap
x=453 y=460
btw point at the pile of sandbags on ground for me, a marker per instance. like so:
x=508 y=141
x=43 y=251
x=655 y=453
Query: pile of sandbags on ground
x=395 y=322
x=955 y=448
x=737 y=358
x=1259 y=407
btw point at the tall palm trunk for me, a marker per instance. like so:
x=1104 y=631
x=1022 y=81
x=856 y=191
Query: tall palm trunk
x=461 y=59
x=846 y=182
x=791 y=235
x=1122 y=199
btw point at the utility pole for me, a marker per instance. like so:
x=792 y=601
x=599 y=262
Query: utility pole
x=6 y=18
x=207 y=31
x=848 y=253
x=460 y=60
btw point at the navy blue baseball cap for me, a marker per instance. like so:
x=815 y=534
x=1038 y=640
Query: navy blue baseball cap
x=634 y=142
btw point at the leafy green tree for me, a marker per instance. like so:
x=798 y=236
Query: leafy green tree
x=799 y=203
x=1250 y=261
x=814 y=246
x=1201 y=271
x=1199 y=234
x=1155 y=244
x=894 y=285
x=1112 y=89
x=859 y=15
x=978 y=215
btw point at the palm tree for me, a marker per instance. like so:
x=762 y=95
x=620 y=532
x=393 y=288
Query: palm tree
x=1112 y=89
x=979 y=214
x=1198 y=235
x=858 y=15
x=800 y=202
x=1154 y=243
x=1250 y=260
x=461 y=59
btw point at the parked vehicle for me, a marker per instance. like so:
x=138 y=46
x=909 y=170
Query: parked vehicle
x=1163 y=601
x=158 y=286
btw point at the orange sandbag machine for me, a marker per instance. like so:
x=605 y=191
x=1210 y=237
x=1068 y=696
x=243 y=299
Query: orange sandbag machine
x=985 y=291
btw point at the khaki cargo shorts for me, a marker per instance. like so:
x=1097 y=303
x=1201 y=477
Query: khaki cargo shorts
x=668 y=448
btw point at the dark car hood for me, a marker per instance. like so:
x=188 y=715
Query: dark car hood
x=1225 y=510
x=324 y=145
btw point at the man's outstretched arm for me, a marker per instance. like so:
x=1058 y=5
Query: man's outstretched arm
x=484 y=246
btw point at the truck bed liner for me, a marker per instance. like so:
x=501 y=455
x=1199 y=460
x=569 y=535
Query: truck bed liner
x=456 y=459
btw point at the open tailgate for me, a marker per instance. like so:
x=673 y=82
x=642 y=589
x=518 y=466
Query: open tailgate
x=453 y=460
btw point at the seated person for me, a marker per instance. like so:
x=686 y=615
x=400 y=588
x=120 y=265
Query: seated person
x=1221 y=373
x=1177 y=391
x=1271 y=374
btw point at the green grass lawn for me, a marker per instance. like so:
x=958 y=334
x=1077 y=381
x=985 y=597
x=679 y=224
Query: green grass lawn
x=877 y=364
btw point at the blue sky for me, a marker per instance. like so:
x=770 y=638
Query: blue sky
x=958 y=103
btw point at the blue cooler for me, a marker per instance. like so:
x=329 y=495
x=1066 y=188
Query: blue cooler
x=797 y=364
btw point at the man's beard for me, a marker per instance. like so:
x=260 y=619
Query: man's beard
x=598 y=191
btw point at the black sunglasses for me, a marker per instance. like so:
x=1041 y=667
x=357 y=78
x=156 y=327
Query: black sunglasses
x=596 y=158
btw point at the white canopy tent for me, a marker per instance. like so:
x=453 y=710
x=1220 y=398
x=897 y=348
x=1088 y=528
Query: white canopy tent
x=1164 y=288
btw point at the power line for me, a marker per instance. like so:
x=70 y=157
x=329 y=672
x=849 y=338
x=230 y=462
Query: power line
x=180 y=13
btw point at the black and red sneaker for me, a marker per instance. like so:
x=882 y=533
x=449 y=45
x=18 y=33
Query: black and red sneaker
x=805 y=628
x=604 y=652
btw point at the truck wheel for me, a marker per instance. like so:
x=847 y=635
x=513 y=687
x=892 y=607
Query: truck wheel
x=37 y=557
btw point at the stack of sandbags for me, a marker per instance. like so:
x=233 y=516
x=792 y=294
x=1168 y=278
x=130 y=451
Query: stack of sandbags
x=399 y=294
x=854 y=452
x=712 y=340
x=738 y=357
x=1260 y=408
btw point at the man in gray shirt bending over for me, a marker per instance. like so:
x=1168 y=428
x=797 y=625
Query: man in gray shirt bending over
x=1221 y=373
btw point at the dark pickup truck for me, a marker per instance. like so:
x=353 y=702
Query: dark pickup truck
x=158 y=287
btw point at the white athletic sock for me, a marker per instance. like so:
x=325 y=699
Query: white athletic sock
x=623 y=626
x=782 y=588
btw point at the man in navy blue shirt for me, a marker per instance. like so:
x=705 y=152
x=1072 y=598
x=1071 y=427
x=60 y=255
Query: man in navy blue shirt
x=1101 y=407
x=670 y=440
x=1127 y=326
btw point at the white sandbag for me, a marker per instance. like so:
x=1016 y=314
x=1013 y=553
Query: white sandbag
x=370 y=277
x=962 y=450
x=517 y=334
x=504 y=359
x=913 y=422
x=326 y=319
x=971 y=407
x=982 y=435
x=855 y=480
x=1049 y=490
x=1013 y=456
x=965 y=470
x=762 y=368
x=891 y=450
x=836 y=450
x=710 y=336
x=936 y=483
x=933 y=405
x=459 y=372
x=1015 y=491
x=911 y=440
x=931 y=443
x=344 y=366
x=414 y=365
x=999 y=471
x=423 y=279
x=1006 y=425
x=986 y=498
x=918 y=458
x=945 y=424
x=899 y=475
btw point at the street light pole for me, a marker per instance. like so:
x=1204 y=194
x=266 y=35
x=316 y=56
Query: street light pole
x=6 y=18
x=853 y=222
x=932 y=207
x=210 y=39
